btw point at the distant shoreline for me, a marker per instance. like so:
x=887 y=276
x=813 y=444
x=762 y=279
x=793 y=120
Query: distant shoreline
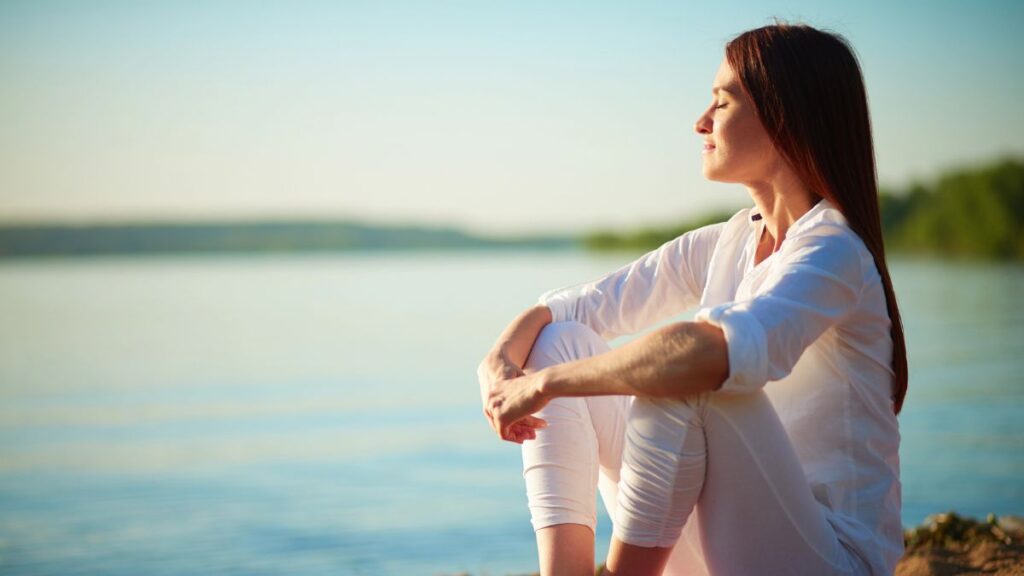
x=35 y=240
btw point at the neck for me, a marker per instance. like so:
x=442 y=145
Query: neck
x=780 y=201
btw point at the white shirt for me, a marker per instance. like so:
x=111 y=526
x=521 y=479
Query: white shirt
x=809 y=324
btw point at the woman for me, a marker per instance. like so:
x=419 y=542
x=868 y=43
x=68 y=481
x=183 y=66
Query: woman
x=762 y=437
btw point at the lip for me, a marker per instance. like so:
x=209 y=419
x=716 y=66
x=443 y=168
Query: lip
x=708 y=147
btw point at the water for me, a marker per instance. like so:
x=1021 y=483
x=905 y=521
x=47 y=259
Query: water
x=318 y=414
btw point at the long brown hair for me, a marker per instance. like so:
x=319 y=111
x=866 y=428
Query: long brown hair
x=809 y=93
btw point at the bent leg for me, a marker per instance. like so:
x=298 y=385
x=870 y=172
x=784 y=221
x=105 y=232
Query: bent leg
x=755 y=513
x=582 y=442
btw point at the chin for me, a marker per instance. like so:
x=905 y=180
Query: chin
x=711 y=174
x=719 y=173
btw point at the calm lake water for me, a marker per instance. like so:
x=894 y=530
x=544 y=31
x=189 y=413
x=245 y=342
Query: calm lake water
x=319 y=414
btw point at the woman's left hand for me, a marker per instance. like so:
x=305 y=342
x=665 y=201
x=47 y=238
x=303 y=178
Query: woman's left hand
x=510 y=405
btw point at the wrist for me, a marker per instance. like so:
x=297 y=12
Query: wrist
x=549 y=382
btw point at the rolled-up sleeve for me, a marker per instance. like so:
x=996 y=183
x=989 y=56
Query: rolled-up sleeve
x=816 y=282
x=658 y=285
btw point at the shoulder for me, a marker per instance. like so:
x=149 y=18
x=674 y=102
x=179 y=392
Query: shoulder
x=825 y=240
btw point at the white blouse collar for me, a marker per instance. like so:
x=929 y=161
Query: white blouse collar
x=822 y=211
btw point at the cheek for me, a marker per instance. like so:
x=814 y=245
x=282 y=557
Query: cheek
x=749 y=140
x=755 y=132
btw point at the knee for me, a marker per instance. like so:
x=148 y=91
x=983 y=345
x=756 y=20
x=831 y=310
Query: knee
x=560 y=342
x=567 y=332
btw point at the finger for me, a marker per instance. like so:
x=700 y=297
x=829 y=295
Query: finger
x=534 y=422
x=506 y=429
x=521 y=431
x=494 y=414
x=518 y=434
x=515 y=436
x=492 y=419
x=523 y=434
x=496 y=422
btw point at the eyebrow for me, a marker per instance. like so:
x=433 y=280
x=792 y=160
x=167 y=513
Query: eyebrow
x=716 y=89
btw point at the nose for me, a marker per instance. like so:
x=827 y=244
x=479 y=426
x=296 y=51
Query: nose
x=703 y=125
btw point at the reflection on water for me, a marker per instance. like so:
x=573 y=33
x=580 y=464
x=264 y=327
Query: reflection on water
x=319 y=414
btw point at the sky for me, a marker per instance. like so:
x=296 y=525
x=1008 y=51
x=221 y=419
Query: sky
x=499 y=117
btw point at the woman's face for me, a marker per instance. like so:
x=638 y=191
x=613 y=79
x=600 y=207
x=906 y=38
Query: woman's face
x=736 y=146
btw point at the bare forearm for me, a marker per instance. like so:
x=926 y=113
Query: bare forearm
x=673 y=362
x=517 y=340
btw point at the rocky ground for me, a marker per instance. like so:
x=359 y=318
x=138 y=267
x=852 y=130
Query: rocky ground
x=948 y=544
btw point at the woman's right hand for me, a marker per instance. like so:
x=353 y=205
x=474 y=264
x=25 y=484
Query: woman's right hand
x=505 y=362
x=495 y=368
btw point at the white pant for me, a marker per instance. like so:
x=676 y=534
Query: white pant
x=717 y=469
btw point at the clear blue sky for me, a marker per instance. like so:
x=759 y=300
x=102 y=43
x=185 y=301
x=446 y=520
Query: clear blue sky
x=498 y=116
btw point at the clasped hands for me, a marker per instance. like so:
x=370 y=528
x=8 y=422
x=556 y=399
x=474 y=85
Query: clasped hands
x=510 y=398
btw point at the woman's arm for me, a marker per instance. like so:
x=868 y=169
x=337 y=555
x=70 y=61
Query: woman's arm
x=506 y=359
x=658 y=285
x=517 y=340
x=676 y=361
